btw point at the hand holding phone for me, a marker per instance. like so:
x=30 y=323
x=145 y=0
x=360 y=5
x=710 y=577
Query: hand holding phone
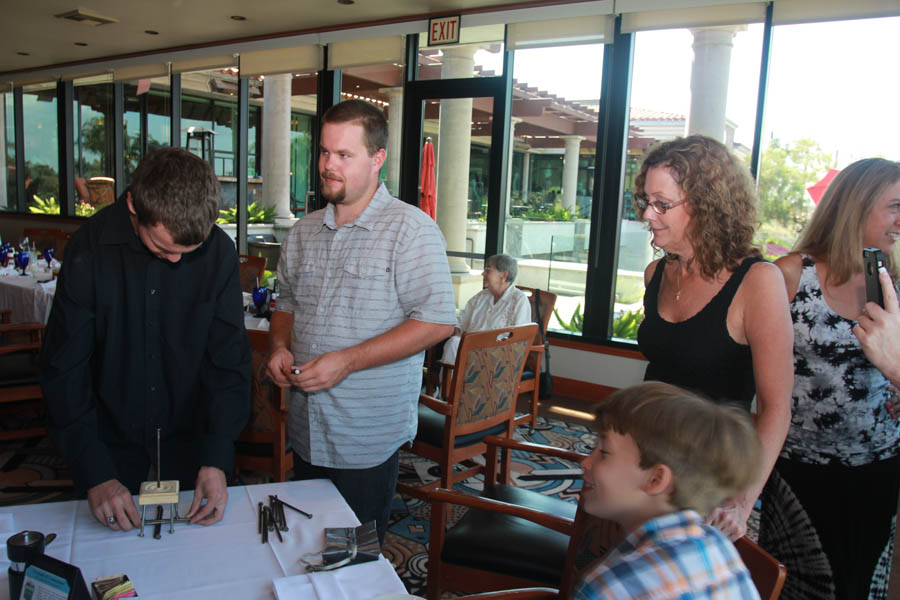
x=873 y=260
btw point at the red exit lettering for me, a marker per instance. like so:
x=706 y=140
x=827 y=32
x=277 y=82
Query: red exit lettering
x=444 y=31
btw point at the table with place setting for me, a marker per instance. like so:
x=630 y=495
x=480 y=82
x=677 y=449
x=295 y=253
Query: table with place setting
x=225 y=560
x=29 y=297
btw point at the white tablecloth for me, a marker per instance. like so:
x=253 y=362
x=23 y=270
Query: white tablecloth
x=28 y=300
x=222 y=561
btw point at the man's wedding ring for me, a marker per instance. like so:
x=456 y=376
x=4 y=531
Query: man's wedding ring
x=111 y=520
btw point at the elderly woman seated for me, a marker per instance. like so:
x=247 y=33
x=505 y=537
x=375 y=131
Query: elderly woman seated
x=499 y=304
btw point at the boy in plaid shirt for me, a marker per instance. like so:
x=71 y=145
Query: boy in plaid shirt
x=666 y=457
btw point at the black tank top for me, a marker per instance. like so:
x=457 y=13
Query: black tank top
x=698 y=354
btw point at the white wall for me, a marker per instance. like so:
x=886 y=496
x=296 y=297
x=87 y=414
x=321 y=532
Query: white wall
x=595 y=367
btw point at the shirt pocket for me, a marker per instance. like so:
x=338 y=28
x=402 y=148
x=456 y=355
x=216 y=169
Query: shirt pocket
x=365 y=293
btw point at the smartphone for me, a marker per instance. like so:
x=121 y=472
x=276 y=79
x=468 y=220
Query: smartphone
x=873 y=260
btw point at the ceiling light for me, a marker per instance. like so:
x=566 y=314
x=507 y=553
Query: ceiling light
x=346 y=1
x=86 y=17
x=151 y=32
x=23 y=53
x=238 y=18
x=81 y=43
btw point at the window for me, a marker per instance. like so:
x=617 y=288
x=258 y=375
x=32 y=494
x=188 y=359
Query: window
x=823 y=114
x=41 y=148
x=549 y=200
x=147 y=121
x=667 y=66
x=8 y=144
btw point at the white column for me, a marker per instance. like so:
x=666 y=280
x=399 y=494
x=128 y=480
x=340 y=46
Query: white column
x=570 y=170
x=453 y=156
x=395 y=128
x=276 y=141
x=513 y=121
x=709 y=80
x=526 y=175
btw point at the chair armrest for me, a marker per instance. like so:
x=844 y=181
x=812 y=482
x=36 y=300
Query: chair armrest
x=19 y=327
x=520 y=594
x=438 y=406
x=493 y=440
x=554 y=522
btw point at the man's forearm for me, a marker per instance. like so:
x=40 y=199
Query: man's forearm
x=402 y=341
x=280 y=327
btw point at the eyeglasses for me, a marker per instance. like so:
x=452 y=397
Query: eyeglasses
x=658 y=206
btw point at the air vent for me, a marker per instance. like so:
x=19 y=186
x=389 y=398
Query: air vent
x=86 y=17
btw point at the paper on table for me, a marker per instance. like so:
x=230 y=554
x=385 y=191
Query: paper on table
x=342 y=584
x=7 y=528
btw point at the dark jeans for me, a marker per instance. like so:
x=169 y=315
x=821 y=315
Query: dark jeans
x=369 y=492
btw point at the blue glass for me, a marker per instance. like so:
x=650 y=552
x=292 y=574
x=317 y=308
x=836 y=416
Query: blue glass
x=261 y=297
x=48 y=255
x=22 y=261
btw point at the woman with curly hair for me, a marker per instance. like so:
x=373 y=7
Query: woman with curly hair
x=830 y=502
x=716 y=314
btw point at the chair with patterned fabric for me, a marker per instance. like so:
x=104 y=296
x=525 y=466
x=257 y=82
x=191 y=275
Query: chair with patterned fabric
x=480 y=400
x=252 y=269
x=503 y=541
x=542 y=304
x=262 y=446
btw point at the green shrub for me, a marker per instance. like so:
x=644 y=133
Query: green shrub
x=255 y=214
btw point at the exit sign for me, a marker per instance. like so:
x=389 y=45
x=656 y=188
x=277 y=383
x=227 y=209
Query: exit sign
x=443 y=30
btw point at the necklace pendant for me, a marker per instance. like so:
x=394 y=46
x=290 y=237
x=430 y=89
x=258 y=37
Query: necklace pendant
x=677 y=295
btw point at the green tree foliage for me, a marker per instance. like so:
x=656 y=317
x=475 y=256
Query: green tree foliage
x=785 y=173
x=256 y=213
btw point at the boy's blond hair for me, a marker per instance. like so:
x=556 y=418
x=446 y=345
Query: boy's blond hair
x=712 y=449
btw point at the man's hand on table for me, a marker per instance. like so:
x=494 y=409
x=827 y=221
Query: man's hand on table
x=212 y=486
x=111 y=504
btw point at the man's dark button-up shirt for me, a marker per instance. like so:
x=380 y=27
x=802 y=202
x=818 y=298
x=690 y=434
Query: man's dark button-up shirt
x=135 y=342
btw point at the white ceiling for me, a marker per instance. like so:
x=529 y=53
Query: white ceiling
x=29 y=26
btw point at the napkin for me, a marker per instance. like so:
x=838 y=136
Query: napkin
x=364 y=581
x=48 y=286
x=7 y=270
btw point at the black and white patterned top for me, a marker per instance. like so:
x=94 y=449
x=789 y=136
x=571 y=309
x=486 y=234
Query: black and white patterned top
x=838 y=413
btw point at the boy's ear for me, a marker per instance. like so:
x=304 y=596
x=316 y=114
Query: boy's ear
x=660 y=480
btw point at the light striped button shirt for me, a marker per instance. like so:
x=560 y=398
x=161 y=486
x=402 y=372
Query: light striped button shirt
x=346 y=285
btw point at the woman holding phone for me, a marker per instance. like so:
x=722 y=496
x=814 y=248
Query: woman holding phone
x=829 y=503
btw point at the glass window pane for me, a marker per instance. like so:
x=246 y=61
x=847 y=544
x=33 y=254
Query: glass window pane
x=151 y=109
x=459 y=131
x=94 y=147
x=41 y=149
x=684 y=81
x=8 y=143
x=550 y=191
x=813 y=126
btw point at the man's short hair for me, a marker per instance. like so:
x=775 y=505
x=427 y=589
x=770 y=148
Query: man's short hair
x=368 y=116
x=179 y=190
x=712 y=449
x=504 y=262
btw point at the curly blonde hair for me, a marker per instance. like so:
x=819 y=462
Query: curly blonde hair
x=720 y=198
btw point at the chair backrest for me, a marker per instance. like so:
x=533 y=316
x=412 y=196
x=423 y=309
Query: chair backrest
x=488 y=368
x=767 y=573
x=547 y=302
x=44 y=238
x=252 y=269
x=591 y=540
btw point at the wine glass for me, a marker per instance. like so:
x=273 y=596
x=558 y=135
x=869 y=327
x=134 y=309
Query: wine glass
x=4 y=253
x=48 y=256
x=261 y=299
x=22 y=261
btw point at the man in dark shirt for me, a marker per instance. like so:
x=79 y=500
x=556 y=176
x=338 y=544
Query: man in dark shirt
x=147 y=332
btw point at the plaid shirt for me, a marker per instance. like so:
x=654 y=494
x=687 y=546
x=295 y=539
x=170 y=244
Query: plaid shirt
x=673 y=556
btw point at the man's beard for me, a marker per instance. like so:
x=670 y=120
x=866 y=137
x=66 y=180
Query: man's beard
x=336 y=197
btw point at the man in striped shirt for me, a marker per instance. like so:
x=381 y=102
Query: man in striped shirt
x=664 y=458
x=364 y=289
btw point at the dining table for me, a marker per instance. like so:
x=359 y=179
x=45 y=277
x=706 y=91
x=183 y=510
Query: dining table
x=29 y=297
x=225 y=560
